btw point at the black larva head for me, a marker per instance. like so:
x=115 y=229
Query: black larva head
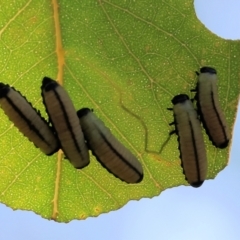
x=4 y=89
x=82 y=112
x=180 y=99
x=208 y=70
x=48 y=84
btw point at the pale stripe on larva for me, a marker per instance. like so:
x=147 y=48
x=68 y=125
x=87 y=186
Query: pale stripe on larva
x=27 y=119
x=190 y=138
x=63 y=117
x=113 y=155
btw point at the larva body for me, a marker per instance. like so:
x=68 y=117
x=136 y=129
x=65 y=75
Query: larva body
x=209 y=108
x=115 y=157
x=63 y=117
x=28 y=120
x=190 y=138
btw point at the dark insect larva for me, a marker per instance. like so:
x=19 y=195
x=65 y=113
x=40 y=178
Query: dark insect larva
x=63 y=117
x=116 y=158
x=209 y=108
x=27 y=119
x=190 y=138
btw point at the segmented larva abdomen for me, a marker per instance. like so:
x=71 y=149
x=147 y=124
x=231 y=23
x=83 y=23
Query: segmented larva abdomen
x=191 y=143
x=112 y=154
x=209 y=108
x=64 y=119
x=28 y=120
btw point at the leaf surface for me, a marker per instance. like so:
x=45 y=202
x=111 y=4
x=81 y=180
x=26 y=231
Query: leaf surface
x=124 y=59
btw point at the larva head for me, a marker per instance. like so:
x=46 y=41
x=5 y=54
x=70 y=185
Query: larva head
x=206 y=78
x=180 y=99
x=48 y=84
x=208 y=70
x=4 y=89
x=83 y=112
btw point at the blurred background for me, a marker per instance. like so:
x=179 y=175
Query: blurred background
x=211 y=212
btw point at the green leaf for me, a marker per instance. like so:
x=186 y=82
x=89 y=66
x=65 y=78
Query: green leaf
x=124 y=59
